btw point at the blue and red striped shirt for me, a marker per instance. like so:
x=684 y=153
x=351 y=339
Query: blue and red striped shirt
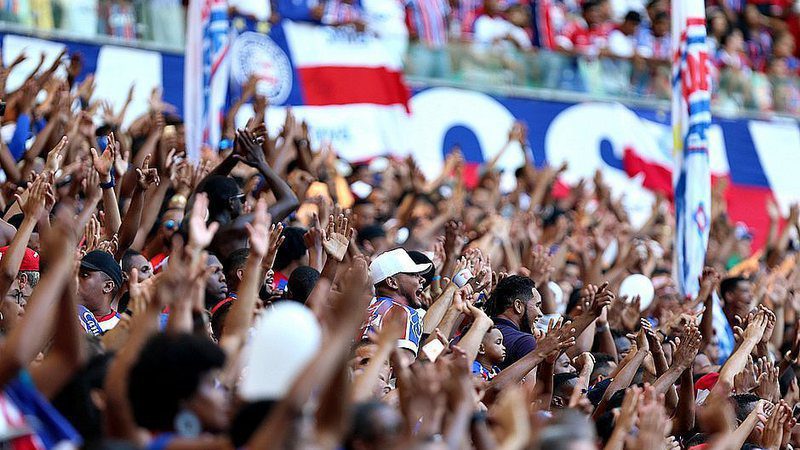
x=428 y=19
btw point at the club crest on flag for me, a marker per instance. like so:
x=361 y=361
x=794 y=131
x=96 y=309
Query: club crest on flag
x=701 y=219
x=256 y=54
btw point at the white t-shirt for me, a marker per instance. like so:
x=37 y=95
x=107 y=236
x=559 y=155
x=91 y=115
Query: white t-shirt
x=624 y=46
x=488 y=29
x=260 y=9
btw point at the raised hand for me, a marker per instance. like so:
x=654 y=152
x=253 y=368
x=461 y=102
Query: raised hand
x=768 y=387
x=105 y=161
x=540 y=265
x=630 y=313
x=200 y=234
x=454 y=238
x=641 y=341
x=756 y=328
x=710 y=278
x=772 y=435
x=147 y=176
x=653 y=420
x=687 y=350
x=601 y=300
x=91 y=185
x=629 y=412
x=560 y=336
x=258 y=230
x=248 y=149
x=313 y=239
x=337 y=237
x=652 y=337
x=745 y=381
x=276 y=238
x=584 y=360
x=34 y=204
x=55 y=156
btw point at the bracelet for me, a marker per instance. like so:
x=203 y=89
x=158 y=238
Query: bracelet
x=436 y=278
x=110 y=184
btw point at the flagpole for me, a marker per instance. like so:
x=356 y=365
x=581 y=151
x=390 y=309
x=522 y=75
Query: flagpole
x=193 y=81
x=691 y=119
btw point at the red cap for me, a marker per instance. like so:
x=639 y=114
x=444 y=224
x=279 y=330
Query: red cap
x=706 y=382
x=30 y=262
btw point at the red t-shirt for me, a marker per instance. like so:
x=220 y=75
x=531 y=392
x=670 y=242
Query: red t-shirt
x=578 y=36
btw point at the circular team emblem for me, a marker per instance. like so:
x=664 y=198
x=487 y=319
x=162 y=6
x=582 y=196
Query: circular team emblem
x=256 y=54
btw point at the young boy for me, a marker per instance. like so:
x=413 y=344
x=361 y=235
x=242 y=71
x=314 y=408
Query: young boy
x=491 y=353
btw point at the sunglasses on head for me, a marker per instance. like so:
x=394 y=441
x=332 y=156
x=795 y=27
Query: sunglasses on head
x=170 y=224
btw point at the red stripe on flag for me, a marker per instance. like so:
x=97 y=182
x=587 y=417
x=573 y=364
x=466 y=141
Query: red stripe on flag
x=656 y=177
x=748 y=204
x=471 y=174
x=324 y=86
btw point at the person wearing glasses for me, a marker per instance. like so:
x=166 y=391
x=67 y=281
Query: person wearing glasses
x=12 y=307
x=158 y=248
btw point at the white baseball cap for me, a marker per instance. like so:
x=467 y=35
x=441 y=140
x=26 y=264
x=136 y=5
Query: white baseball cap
x=391 y=263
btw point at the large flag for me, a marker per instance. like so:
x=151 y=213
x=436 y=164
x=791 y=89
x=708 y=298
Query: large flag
x=691 y=120
x=205 y=73
x=348 y=85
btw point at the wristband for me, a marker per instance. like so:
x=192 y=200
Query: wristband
x=462 y=278
x=110 y=184
x=436 y=278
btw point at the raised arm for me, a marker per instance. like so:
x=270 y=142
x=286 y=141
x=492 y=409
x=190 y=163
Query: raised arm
x=67 y=354
x=752 y=336
x=708 y=282
x=626 y=373
x=29 y=337
x=273 y=432
x=471 y=341
x=683 y=359
x=240 y=316
x=32 y=207
x=104 y=165
x=684 y=418
x=146 y=177
x=559 y=337
x=285 y=199
x=364 y=383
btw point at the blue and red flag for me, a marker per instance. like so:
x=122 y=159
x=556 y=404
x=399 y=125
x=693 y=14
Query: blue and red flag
x=205 y=73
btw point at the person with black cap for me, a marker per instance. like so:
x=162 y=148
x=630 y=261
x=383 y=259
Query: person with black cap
x=99 y=278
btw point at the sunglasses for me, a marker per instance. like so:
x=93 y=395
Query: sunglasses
x=170 y=224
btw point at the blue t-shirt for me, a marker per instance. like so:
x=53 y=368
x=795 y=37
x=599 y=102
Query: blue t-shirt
x=486 y=374
x=518 y=343
x=413 y=329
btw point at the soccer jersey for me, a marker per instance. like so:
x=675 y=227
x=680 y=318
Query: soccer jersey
x=380 y=308
x=108 y=321
x=486 y=374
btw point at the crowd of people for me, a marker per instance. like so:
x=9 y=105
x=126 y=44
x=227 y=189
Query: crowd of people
x=608 y=47
x=274 y=296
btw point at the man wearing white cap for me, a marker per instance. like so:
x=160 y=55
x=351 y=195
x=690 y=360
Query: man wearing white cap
x=398 y=287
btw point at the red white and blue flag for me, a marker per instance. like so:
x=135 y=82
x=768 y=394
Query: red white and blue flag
x=205 y=73
x=346 y=84
x=691 y=121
